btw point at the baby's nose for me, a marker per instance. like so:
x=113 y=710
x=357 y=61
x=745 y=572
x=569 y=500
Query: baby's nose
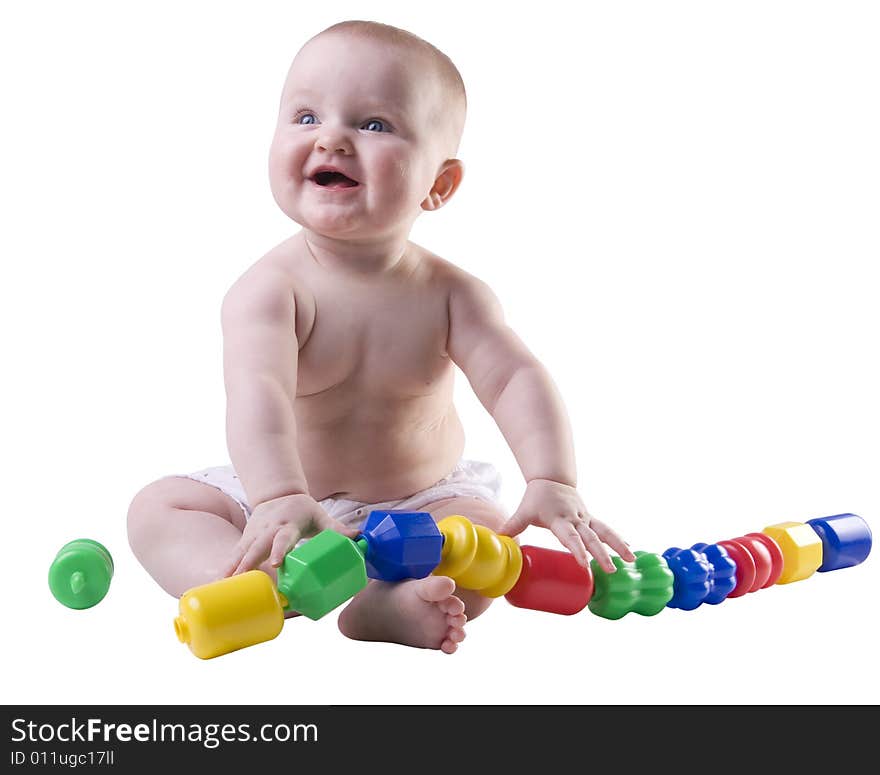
x=333 y=140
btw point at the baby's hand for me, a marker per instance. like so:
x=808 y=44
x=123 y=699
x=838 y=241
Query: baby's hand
x=274 y=528
x=559 y=508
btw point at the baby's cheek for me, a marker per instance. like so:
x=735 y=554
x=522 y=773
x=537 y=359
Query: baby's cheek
x=285 y=156
x=395 y=174
x=403 y=183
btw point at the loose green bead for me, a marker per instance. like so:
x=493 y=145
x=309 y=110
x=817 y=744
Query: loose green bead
x=80 y=574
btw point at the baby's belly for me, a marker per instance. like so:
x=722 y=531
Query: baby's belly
x=371 y=462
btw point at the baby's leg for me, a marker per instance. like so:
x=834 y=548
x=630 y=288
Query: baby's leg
x=428 y=612
x=183 y=532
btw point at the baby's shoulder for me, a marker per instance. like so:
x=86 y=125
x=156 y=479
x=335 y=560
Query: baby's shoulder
x=278 y=271
x=466 y=294
x=273 y=285
x=445 y=275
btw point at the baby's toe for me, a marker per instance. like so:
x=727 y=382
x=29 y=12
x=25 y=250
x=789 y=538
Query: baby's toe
x=435 y=589
x=448 y=646
x=455 y=625
x=452 y=606
x=456 y=622
x=456 y=635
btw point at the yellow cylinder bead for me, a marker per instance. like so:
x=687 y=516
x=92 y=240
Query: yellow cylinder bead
x=230 y=614
x=459 y=545
x=477 y=558
x=488 y=562
x=513 y=563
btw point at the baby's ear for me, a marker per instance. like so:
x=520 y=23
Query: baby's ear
x=445 y=185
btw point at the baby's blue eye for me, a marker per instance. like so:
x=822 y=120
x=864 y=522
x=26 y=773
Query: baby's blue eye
x=374 y=125
x=307 y=118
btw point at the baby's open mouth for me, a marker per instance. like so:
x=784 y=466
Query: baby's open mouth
x=333 y=179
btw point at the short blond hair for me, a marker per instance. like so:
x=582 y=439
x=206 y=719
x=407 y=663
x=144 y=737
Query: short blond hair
x=454 y=108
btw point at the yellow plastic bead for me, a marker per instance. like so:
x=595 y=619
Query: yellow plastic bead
x=488 y=561
x=477 y=558
x=513 y=563
x=230 y=614
x=801 y=549
x=459 y=545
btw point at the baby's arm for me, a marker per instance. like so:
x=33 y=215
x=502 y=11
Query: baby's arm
x=260 y=352
x=516 y=389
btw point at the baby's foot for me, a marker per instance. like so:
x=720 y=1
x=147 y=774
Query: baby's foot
x=417 y=612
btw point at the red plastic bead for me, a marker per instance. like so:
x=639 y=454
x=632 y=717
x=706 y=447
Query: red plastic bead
x=777 y=561
x=552 y=581
x=761 y=557
x=745 y=567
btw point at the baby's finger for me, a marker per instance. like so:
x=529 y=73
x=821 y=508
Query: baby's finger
x=238 y=551
x=285 y=540
x=520 y=520
x=569 y=537
x=331 y=524
x=595 y=547
x=255 y=554
x=613 y=539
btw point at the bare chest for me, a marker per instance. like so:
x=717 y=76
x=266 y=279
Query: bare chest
x=383 y=344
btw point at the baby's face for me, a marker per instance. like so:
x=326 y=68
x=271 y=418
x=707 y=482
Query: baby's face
x=354 y=153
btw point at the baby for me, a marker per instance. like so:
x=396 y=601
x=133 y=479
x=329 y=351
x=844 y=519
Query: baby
x=340 y=348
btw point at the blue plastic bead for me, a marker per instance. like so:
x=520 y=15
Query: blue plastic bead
x=722 y=577
x=692 y=571
x=846 y=540
x=401 y=544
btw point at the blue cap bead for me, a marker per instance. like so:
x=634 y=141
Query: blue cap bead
x=401 y=544
x=722 y=572
x=691 y=570
x=846 y=540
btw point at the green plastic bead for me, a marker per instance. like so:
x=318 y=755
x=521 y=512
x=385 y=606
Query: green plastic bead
x=644 y=587
x=80 y=574
x=322 y=573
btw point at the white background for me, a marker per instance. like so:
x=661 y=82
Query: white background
x=676 y=202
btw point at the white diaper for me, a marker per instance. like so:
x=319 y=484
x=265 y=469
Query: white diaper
x=469 y=478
